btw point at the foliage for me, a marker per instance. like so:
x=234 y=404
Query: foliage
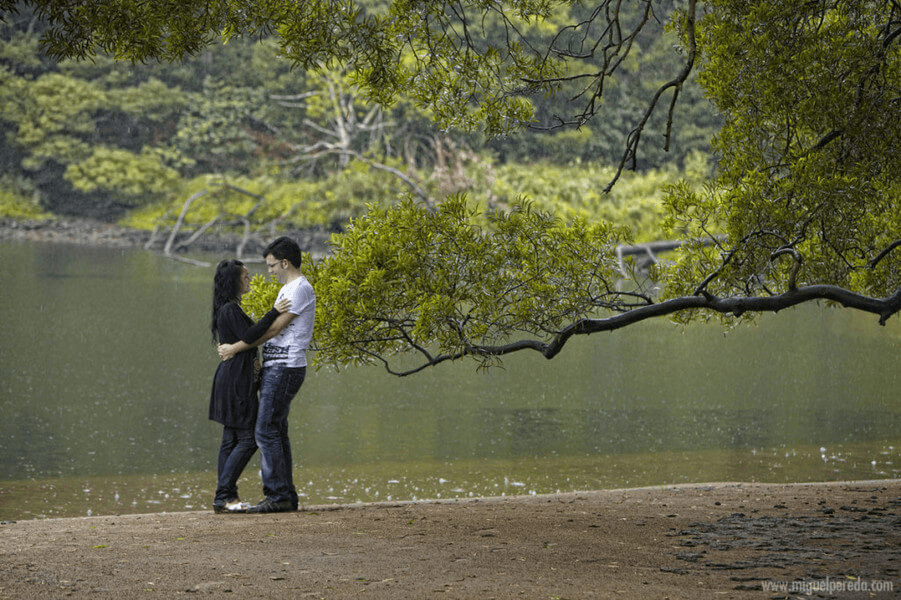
x=809 y=163
x=129 y=173
x=261 y=298
x=213 y=130
x=76 y=134
x=327 y=203
x=499 y=76
x=577 y=191
x=53 y=118
x=435 y=281
x=571 y=192
x=239 y=110
x=16 y=206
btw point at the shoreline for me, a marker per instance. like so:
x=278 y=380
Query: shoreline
x=713 y=540
x=82 y=231
x=644 y=489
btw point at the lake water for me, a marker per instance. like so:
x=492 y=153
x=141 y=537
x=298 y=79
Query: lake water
x=106 y=365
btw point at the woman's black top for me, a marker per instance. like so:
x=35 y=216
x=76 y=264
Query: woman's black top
x=233 y=400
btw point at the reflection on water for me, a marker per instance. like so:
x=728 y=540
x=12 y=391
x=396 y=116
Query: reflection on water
x=106 y=364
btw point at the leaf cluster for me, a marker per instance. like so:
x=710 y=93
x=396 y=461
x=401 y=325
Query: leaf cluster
x=261 y=298
x=18 y=206
x=808 y=183
x=578 y=191
x=433 y=280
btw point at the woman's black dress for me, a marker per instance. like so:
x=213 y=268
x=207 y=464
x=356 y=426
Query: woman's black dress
x=233 y=399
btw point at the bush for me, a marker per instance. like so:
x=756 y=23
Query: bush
x=17 y=206
x=261 y=298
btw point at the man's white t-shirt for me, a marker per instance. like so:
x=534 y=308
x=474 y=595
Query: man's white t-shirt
x=289 y=347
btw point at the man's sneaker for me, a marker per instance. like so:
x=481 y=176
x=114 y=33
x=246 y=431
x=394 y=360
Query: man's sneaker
x=272 y=506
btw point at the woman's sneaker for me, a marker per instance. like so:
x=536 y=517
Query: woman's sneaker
x=232 y=506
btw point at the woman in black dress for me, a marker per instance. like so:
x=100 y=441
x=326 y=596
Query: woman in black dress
x=233 y=400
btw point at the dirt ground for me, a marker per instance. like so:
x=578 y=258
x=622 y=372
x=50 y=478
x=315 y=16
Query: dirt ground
x=693 y=541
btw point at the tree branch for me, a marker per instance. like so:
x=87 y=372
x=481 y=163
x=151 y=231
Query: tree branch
x=382 y=167
x=884 y=253
x=200 y=231
x=167 y=250
x=635 y=135
x=799 y=260
x=884 y=308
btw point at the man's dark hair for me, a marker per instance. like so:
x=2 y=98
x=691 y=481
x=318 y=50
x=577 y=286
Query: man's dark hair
x=284 y=248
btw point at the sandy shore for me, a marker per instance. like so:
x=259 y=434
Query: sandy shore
x=691 y=541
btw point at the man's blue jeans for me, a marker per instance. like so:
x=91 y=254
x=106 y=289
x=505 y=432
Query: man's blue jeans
x=278 y=386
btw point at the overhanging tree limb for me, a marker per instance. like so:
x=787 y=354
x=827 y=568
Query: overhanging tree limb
x=884 y=308
x=437 y=288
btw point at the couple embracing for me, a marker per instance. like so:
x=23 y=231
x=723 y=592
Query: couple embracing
x=248 y=422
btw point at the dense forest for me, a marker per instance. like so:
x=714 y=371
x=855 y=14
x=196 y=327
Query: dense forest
x=235 y=135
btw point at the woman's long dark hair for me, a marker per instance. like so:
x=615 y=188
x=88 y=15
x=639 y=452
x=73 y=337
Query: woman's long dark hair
x=226 y=288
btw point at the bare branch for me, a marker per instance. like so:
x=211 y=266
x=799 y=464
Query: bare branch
x=239 y=251
x=377 y=165
x=200 y=231
x=629 y=155
x=884 y=253
x=167 y=250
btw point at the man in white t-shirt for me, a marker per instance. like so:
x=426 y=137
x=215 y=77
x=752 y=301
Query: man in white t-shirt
x=284 y=369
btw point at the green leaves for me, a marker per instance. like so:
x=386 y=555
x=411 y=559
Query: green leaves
x=432 y=281
x=17 y=206
x=809 y=155
x=132 y=29
x=127 y=173
x=58 y=119
x=261 y=298
x=214 y=131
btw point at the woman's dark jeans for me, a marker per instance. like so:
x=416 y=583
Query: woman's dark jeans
x=236 y=450
x=278 y=387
